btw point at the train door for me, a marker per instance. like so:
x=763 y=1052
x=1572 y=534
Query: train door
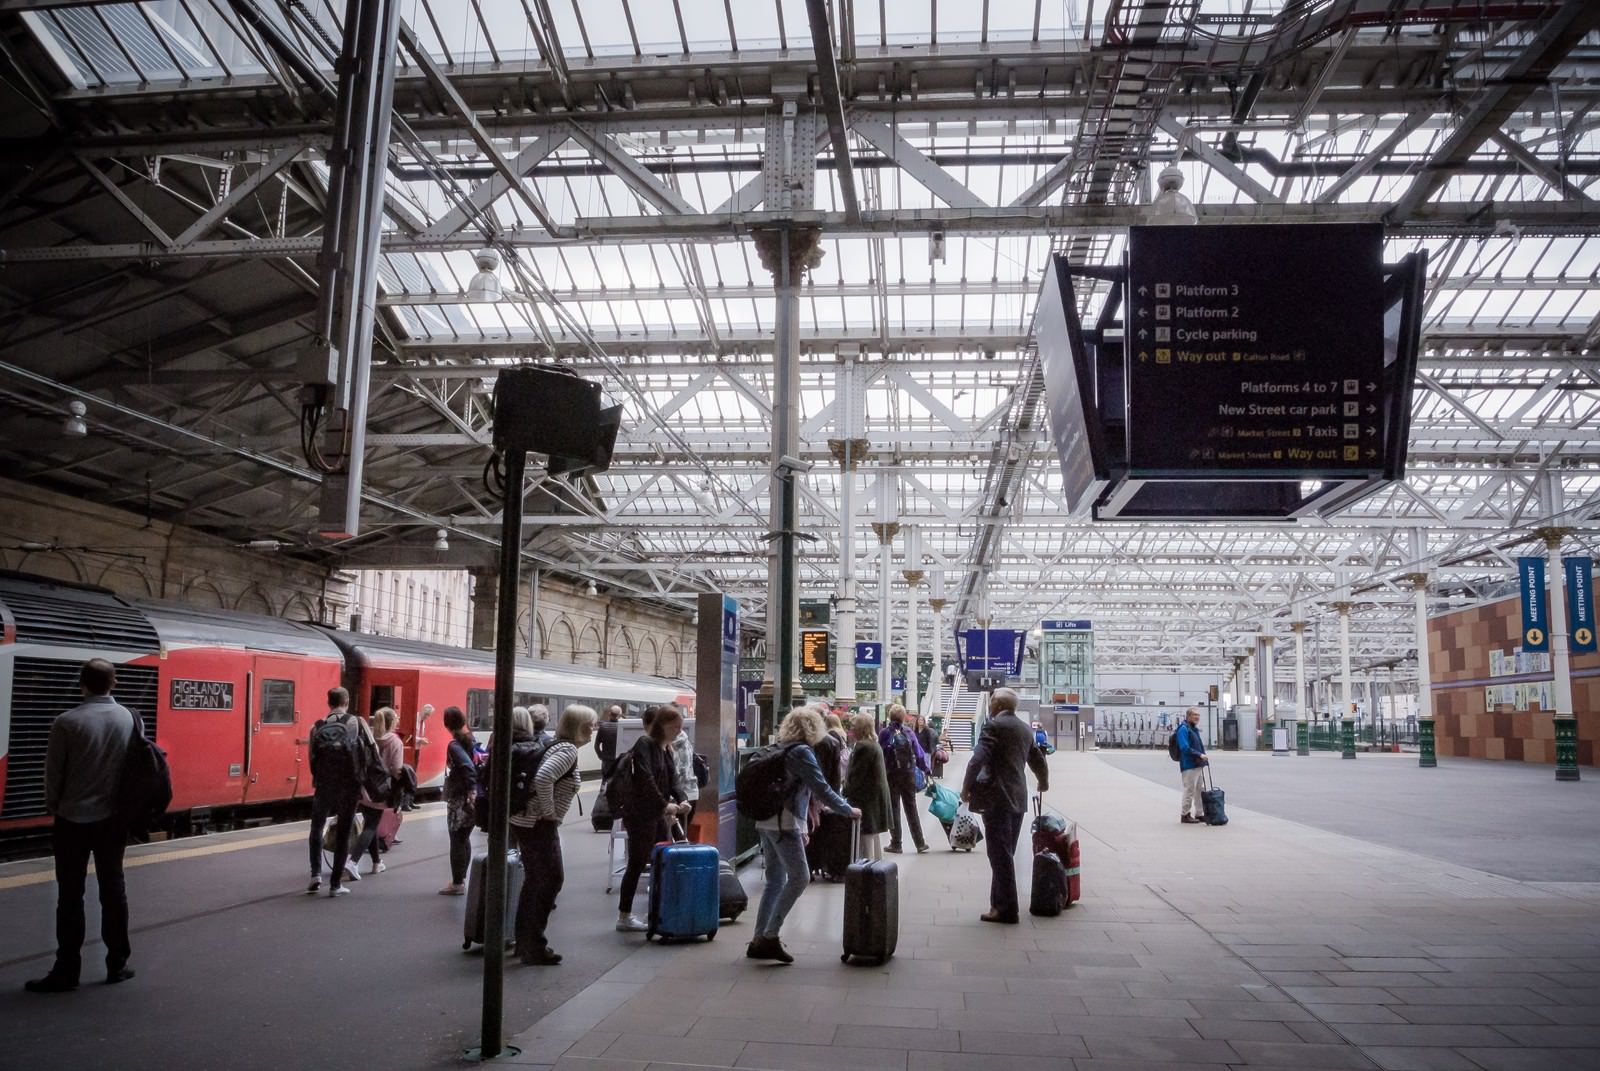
x=399 y=691
x=273 y=752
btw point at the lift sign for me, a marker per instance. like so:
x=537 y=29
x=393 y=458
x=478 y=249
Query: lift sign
x=201 y=695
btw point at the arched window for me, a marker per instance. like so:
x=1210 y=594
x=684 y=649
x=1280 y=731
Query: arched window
x=667 y=664
x=394 y=601
x=648 y=656
x=449 y=621
x=437 y=624
x=589 y=646
x=411 y=601
x=562 y=643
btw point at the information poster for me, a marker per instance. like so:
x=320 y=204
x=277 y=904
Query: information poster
x=1255 y=350
x=717 y=698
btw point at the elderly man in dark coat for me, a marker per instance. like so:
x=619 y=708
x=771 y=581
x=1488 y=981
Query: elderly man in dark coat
x=997 y=788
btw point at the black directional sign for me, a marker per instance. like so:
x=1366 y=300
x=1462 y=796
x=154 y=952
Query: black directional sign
x=1255 y=350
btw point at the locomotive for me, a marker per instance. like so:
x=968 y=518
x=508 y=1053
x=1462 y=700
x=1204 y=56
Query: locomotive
x=232 y=696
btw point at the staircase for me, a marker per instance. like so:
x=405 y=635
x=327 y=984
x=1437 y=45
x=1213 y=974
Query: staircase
x=960 y=710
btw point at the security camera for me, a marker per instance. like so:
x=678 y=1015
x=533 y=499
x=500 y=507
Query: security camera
x=794 y=464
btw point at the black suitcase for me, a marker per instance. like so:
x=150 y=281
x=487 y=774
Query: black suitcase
x=473 y=925
x=1049 y=885
x=832 y=846
x=1213 y=801
x=871 y=910
x=734 y=898
x=600 y=816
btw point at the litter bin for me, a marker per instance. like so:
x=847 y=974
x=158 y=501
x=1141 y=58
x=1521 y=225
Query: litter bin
x=1230 y=734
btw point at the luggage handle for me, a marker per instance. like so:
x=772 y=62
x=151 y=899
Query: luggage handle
x=677 y=834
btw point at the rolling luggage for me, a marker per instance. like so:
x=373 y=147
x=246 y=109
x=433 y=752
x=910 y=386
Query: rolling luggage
x=1053 y=833
x=472 y=930
x=388 y=828
x=601 y=816
x=731 y=895
x=832 y=846
x=871 y=910
x=963 y=830
x=685 y=891
x=1213 y=801
x=1049 y=896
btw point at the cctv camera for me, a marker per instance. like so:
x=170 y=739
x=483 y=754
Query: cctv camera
x=793 y=464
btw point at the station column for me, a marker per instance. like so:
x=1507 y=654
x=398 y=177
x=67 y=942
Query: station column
x=1566 y=723
x=885 y=528
x=1302 y=735
x=848 y=450
x=1427 y=755
x=936 y=603
x=913 y=575
x=1347 y=717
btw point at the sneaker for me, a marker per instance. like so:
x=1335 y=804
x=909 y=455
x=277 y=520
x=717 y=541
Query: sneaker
x=1190 y=820
x=453 y=890
x=895 y=848
x=316 y=883
x=545 y=957
x=51 y=983
x=632 y=924
x=352 y=870
x=118 y=974
x=339 y=890
x=380 y=868
x=768 y=948
x=921 y=848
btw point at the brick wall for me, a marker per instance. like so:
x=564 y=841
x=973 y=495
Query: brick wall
x=1459 y=644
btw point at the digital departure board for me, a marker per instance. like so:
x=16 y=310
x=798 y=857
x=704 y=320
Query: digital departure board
x=1256 y=350
x=816 y=651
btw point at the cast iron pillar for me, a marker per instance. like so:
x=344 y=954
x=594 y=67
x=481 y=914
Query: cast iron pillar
x=1347 y=719
x=848 y=450
x=1427 y=753
x=1302 y=737
x=1566 y=723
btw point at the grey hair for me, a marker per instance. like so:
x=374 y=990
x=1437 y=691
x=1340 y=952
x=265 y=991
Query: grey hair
x=1003 y=699
x=540 y=715
x=521 y=721
x=574 y=720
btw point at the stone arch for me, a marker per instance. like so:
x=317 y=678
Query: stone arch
x=53 y=565
x=299 y=608
x=648 y=655
x=562 y=642
x=588 y=650
x=126 y=579
x=667 y=662
x=202 y=592
x=621 y=653
x=252 y=600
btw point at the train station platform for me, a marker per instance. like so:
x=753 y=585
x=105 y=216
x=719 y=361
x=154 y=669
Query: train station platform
x=1287 y=939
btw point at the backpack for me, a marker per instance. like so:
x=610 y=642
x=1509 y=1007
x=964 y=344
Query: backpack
x=619 y=787
x=526 y=755
x=403 y=789
x=145 y=788
x=1174 y=749
x=702 y=770
x=902 y=753
x=336 y=753
x=764 y=786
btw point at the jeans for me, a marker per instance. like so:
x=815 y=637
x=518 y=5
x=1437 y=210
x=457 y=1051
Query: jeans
x=1000 y=832
x=543 y=877
x=1190 y=803
x=368 y=844
x=784 y=852
x=74 y=843
x=903 y=795
x=460 y=854
x=643 y=836
x=343 y=810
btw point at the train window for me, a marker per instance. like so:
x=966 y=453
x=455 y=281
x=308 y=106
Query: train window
x=277 y=702
x=382 y=696
x=480 y=709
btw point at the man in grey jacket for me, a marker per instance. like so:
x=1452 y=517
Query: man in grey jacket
x=997 y=788
x=83 y=770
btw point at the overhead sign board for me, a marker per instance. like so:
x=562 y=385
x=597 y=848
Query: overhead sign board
x=1060 y=625
x=1535 y=614
x=993 y=651
x=1068 y=386
x=816 y=651
x=1256 y=350
x=869 y=655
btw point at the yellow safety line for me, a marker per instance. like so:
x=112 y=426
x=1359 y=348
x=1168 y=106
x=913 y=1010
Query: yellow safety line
x=17 y=881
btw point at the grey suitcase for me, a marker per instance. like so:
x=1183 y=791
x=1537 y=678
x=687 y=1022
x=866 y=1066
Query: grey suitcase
x=472 y=929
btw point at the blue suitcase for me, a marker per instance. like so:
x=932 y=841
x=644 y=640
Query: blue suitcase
x=685 y=891
x=1214 y=802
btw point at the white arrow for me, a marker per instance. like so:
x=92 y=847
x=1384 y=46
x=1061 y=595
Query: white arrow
x=1371 y=430
x=1372 y=386
x=1371 y=408
x=1143 y=333
x=1143 y=314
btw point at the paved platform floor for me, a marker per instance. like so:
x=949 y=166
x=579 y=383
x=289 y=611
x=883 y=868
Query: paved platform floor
x=1264 y=944
x=1270 y=943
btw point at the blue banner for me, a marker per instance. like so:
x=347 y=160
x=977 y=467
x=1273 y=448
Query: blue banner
x=1535 y=615
x=869 y=655
x=1058 y=625
x=997 y=649
x=1580 y=603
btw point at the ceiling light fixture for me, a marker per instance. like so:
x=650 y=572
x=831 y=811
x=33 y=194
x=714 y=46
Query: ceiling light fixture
x=592 y=589
x=441 y=540
x=1170 y=207
x=264 y=544
x=74 y=425
x=485 y=286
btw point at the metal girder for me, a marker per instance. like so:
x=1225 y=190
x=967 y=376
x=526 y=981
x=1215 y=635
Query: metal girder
x=237 y=195
x=1213 y=158
x=914 y=162
x=625 y=166
x=833 y=104
x=1488 y=111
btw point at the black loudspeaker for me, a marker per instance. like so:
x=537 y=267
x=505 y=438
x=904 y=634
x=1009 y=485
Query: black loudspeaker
x=544 y=410
x=598 y=457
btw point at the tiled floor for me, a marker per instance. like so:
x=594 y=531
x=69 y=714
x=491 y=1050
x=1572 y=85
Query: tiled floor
x=1265 y=944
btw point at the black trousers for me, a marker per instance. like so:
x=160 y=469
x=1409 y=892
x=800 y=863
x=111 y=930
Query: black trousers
x=342 y=809
x=74 y=843
x=368 y=844
x=543 y=876
x=903 y=796
x=643 y=836
x=461 y=853
x=1000 y=832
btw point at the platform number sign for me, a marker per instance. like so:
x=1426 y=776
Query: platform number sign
x=1535 y=614
x=869 y=655
x=1580 y=603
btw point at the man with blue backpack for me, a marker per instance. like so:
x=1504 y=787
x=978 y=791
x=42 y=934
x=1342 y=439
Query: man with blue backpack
x=903 y=760
x=1190 y=751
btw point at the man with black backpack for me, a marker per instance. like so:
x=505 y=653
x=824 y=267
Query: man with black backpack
x=1190 y=751
x=84 y=767
x=342 y=751
x=902 y=758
